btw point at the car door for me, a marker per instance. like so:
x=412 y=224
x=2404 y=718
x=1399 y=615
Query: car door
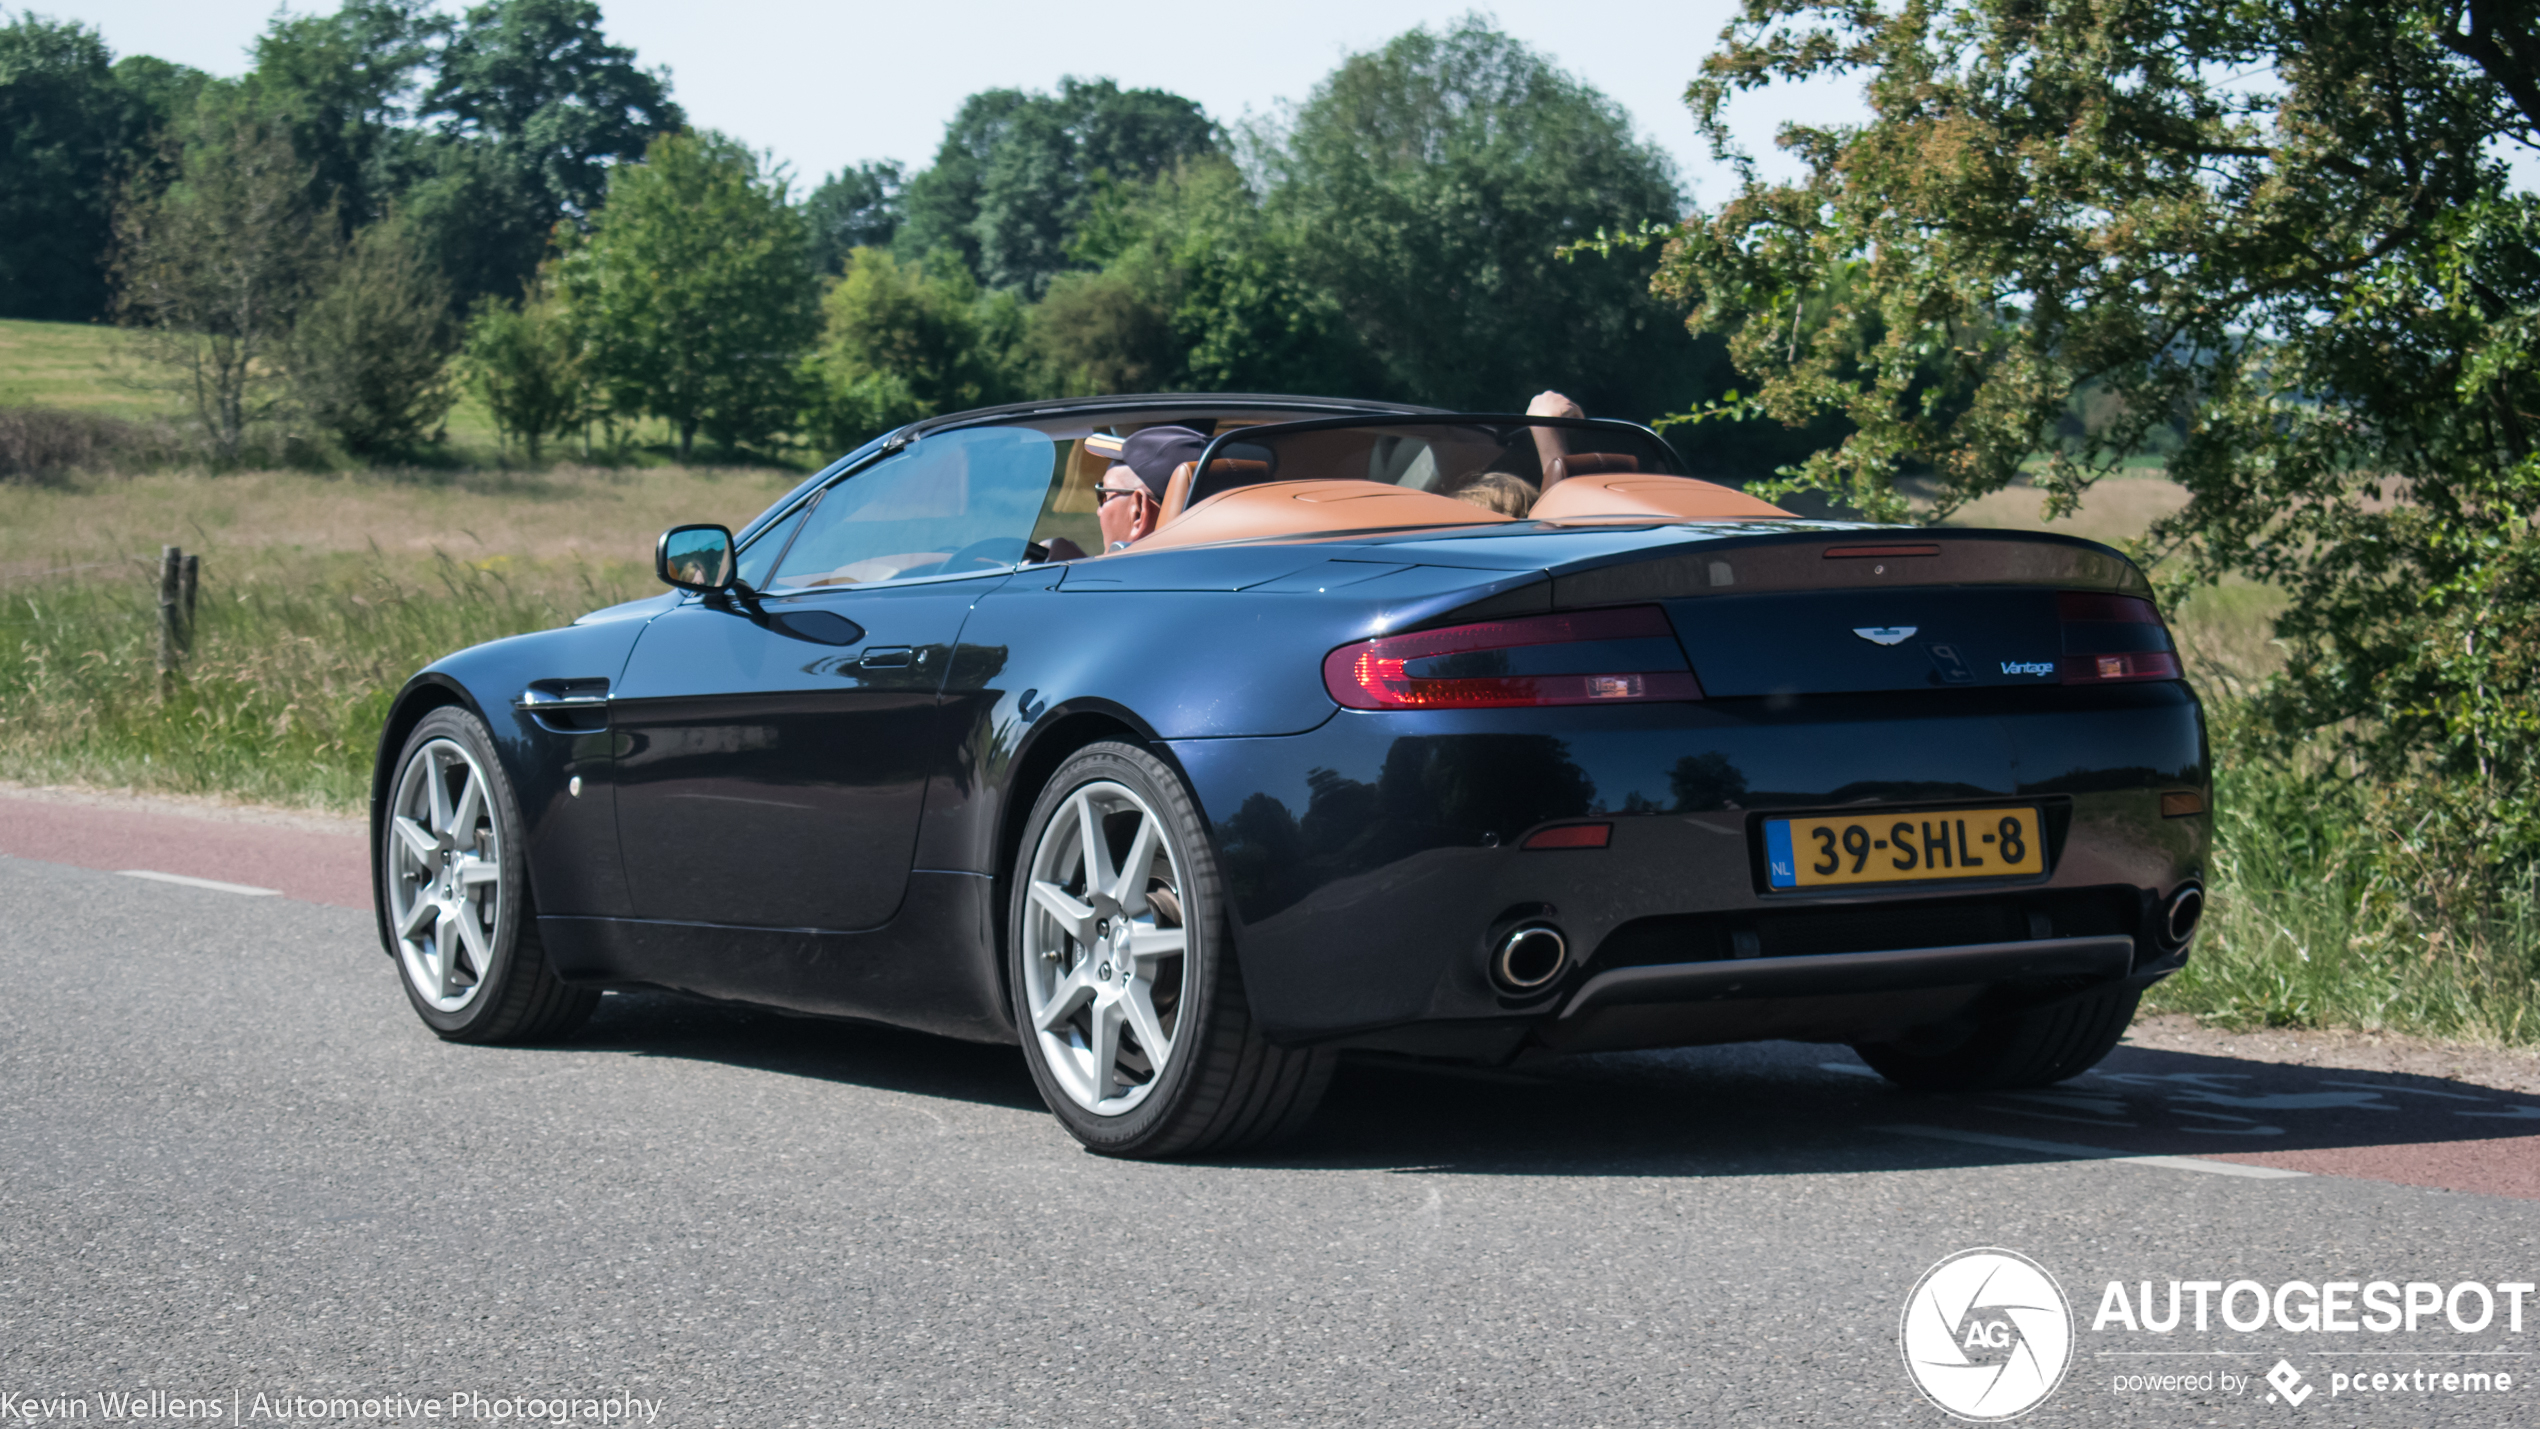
x=773 y=749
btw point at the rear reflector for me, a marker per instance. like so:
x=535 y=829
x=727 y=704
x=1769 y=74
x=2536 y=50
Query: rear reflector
x=2112 y=637
x=1589 y=657
x=1571 y=836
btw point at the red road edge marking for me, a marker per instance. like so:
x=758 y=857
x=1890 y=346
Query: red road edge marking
x=306 y=864
x=2500 y=1166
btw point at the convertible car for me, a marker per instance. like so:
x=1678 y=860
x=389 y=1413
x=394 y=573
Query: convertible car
x=1341 y=755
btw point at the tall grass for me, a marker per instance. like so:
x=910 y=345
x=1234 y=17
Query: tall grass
x=295 y=659
x=2318 y=921
x=2334 y=903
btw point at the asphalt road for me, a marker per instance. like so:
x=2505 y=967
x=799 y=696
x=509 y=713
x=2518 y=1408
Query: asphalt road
x=232 y=1164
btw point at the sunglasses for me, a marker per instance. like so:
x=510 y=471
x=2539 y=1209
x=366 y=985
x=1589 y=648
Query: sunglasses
x=1108 y=492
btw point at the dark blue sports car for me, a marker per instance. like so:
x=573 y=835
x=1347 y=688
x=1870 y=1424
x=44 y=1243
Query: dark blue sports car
x=1444 y=735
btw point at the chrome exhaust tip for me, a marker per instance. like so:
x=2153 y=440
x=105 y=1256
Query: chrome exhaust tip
x=2187 y=908
x=1530 y=958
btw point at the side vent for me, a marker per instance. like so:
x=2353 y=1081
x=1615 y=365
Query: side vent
x=566 y=706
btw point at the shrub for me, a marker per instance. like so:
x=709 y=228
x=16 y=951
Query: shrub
x=370 y=358
x=45 y=443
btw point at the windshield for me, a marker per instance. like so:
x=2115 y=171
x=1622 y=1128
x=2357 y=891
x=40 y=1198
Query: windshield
x=1501 y=463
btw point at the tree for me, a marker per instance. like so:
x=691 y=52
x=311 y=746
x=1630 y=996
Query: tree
x=73 y=125
x=369 y=356
x=535 y=104
x=1431 y=185
x=1095 y=333
x=901 y=341
x=1242 y=314
x=213 y=268
x=344 y=85
x=1017 y=173
x=695 y=291
x=2284 y=223
x=853 y=208
x=525 y=364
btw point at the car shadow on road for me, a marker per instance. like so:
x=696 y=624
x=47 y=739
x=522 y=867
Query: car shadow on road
x=1785 y=1108
x=1773 y=1108
x=664 y=1024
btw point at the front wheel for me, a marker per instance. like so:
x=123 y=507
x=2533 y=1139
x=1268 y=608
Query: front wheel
x=1123 y=972
x=454 y=879
x=2036 y=1048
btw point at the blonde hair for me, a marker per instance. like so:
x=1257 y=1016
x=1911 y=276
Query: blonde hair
x=1500 y=492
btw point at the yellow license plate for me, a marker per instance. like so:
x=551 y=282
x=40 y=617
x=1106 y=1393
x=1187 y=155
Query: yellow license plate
x=1903 y=847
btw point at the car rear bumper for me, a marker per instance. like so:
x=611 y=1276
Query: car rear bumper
x=1374 y=862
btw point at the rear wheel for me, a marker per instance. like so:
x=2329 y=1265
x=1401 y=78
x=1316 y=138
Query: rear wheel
x=455 y=879
x=2029 y=1049
x=1123 y=972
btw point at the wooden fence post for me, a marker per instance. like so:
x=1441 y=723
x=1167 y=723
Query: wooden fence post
x=171 y=580
x=191 y=582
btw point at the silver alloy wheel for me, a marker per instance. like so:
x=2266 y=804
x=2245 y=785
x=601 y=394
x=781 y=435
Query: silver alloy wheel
x=1104 y=947
x=445 y=875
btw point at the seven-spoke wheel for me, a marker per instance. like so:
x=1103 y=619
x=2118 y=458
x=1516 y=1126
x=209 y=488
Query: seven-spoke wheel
x=1103 y=945
x=456 y=898
x=1125 y=986
x=445 y=875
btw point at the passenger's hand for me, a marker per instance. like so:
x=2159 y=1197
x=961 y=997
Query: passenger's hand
x=1553 y=404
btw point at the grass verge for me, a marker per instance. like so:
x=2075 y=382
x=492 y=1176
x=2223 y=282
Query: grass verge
x=319 y=597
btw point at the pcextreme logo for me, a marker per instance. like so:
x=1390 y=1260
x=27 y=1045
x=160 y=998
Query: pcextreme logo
x=1987 y=1335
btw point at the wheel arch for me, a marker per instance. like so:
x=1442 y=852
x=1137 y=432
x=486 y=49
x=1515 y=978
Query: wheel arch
x=1056 y=735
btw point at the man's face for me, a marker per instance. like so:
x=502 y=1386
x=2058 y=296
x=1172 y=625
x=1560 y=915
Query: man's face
x=1128 y=508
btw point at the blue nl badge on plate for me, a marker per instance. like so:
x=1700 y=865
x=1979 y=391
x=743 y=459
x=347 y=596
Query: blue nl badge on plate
x=1777 y=865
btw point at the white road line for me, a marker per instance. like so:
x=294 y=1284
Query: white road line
x=2096 y=1153
x=213 y=884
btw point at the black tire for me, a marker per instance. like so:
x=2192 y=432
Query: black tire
x=1223 y=1087
x=2032 y=1049
x=516 y=998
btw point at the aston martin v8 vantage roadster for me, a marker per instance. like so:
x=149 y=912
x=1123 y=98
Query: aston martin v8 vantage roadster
x=1444 y=735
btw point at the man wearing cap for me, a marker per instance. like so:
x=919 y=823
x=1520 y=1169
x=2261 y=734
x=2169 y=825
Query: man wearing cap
x=1131 y=493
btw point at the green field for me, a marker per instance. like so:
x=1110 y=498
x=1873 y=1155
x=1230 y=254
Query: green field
x=75 y=366
x=85 y=367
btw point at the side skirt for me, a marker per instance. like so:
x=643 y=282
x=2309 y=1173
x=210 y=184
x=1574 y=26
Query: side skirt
x=932 y=968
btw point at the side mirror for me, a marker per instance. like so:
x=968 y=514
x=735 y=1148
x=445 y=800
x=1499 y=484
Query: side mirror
x=695 y=557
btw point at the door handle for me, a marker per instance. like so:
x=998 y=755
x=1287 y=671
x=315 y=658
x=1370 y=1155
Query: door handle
x=887 y=656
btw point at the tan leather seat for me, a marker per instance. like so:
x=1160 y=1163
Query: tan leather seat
x=1642 y=495
x=1177 y=491
x=1308 y=508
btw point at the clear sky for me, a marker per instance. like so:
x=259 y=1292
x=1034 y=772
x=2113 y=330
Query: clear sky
x=825 y=85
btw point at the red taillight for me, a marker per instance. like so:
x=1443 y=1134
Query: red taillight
x=2112 y=637
x=1591 y=657
x=2088 y=605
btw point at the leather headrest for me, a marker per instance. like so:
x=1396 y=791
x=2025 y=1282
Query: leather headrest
x=1562 y=468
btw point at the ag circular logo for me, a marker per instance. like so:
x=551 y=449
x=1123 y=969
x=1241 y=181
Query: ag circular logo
x=1987 y=1334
